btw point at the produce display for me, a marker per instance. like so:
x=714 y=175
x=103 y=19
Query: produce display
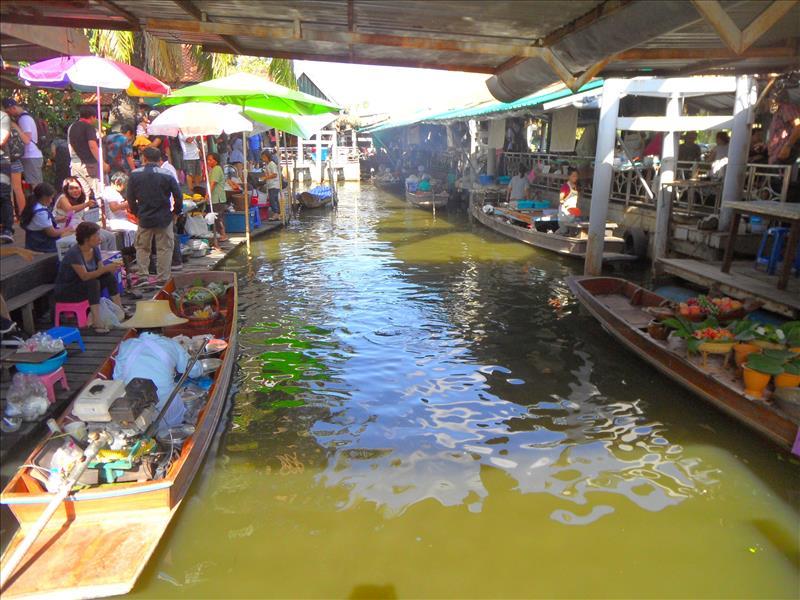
x=702 y=307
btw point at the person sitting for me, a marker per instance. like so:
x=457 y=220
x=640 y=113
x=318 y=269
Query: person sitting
x=424 y=184
x=73 y=207
x=518 y=186
x=117 y=215
x=83 y=276
x=41 y=230
x=718 y=157
x=271 y=180
x=689 y=150
x=568 y=211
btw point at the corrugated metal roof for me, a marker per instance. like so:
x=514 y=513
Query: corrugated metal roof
x=549 y=94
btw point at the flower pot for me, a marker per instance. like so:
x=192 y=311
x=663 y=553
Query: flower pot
x=767 y=345
x=787 y=380
x=795 y=349
x=743 y=350
x=755 y=382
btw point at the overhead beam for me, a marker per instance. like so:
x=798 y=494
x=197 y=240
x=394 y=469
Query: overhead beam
x=704 y=53
x=602 y=10
x=190 y=9
x=78 y=23
x=674 y=123
x=734 y=38
x=121 y=12
x=411 y=64
x=343 y=37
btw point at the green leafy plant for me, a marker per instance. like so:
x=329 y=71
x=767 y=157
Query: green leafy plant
x=791 y=330
x=774 y=362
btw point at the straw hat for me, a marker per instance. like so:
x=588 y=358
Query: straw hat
x=153 y=313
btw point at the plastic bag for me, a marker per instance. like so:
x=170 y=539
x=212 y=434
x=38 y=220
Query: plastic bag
x=111 y=315
x=41 y=342
x=196 y=227
x=27 y=398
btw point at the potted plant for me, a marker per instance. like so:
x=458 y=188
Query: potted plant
x=790 y=378
x=757 y=372
x=792 y=332
x=769 y=337
x=744 y=334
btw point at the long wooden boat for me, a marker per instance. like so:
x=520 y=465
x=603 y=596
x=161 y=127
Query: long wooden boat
x=427 y=200
x=574 y=246
x=101 y=536
x=318 y=197
x=620 y=306
x=391 y=185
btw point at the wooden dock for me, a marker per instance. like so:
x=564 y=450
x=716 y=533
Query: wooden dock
x=742 y=282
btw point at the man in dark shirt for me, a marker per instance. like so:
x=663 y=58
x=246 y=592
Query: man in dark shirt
x=84 y=150
x=149 y=191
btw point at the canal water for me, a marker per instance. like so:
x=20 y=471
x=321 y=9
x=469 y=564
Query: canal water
x=424 y=411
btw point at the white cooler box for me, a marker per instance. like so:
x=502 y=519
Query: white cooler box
x=96 y=398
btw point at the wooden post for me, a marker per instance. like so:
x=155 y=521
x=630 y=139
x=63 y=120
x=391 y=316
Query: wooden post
x=319 y=156
x=603 y=174
x=246 y=199
x=669 y=154
x=739 y=146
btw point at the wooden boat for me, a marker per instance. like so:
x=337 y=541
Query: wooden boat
x=318 y=197
x=620 y=306
x=101 y=536
x=574 y=246
x=427 y=199
x=390 y=185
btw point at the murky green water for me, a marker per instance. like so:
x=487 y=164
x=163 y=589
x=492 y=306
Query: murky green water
x=414 y=419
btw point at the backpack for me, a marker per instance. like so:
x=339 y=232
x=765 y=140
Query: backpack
x=14 y=147
x=42 y=131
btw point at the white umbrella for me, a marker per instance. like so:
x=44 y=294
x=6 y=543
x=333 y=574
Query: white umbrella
x=200 y=119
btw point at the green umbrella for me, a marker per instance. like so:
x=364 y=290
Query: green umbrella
x=251 y=91
x=301 y=126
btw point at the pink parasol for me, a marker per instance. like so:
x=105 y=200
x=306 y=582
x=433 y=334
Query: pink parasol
x=93 y=74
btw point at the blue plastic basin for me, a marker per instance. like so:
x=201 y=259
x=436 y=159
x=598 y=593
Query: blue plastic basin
x=45 y=367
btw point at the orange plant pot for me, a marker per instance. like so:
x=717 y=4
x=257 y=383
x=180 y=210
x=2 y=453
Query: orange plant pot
x=795 y=349
x=787 y=380
x=755 y=382
x=742 y=351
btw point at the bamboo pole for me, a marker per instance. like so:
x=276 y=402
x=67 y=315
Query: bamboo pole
x=281 y=200
x=100 y=163
x=208 y=191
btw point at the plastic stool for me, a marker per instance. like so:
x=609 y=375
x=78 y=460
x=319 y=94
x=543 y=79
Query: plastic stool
x=79 y=309
x=771 y=260
x=255 y=217
x=68 y=335
x=50 y=380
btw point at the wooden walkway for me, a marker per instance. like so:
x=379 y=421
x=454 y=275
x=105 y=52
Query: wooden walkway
x=81 y=366
x=742 y=282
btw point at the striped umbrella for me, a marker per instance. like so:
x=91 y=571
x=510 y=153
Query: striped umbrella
x=93 y=74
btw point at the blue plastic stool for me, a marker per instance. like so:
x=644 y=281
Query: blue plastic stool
x=255 y=217
x=68 y=335
x=770 y=260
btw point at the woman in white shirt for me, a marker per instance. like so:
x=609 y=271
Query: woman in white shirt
x=117 y=207
x=718 y=157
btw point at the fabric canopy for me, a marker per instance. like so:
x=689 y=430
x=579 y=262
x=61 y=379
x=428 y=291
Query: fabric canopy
x=301 y=126
x=199 y=118
x=251 y=91
x=90 y=74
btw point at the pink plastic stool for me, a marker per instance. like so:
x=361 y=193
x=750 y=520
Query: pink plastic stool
x=79 y=309
x=50 y=380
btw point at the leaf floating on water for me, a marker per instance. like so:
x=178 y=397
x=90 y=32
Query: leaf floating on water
x=287 y=403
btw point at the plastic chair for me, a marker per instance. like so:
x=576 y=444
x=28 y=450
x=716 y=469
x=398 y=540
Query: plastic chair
x=79 y=309
x=68 y=335
x=50 y=380
x=770 y=255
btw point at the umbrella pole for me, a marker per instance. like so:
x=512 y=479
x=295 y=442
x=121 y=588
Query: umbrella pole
x=208 y=190
x=284 y=204
x=100 y=164
x=246 y=199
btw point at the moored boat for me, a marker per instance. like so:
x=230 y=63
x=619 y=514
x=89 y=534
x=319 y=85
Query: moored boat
x=574 y=246
x=621 y=307
x=427 y=200
x=318 y=197
x=104 y=532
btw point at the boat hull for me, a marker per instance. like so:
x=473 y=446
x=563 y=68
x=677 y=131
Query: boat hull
x=602 y=297
x=427 y=200
x=311 y=201
x=561 y=244
x=90 y=526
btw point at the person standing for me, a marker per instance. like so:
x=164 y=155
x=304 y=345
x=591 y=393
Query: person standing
x=6 y=207
x=119 y=150
x=518 y=186
x=272 y=182
x=32 y=158
x=191 y=161
x=236 y=157
x=84 y=150
x=216 y=192
x=149 y=192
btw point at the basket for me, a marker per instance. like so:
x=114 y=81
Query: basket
x=198 y=322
